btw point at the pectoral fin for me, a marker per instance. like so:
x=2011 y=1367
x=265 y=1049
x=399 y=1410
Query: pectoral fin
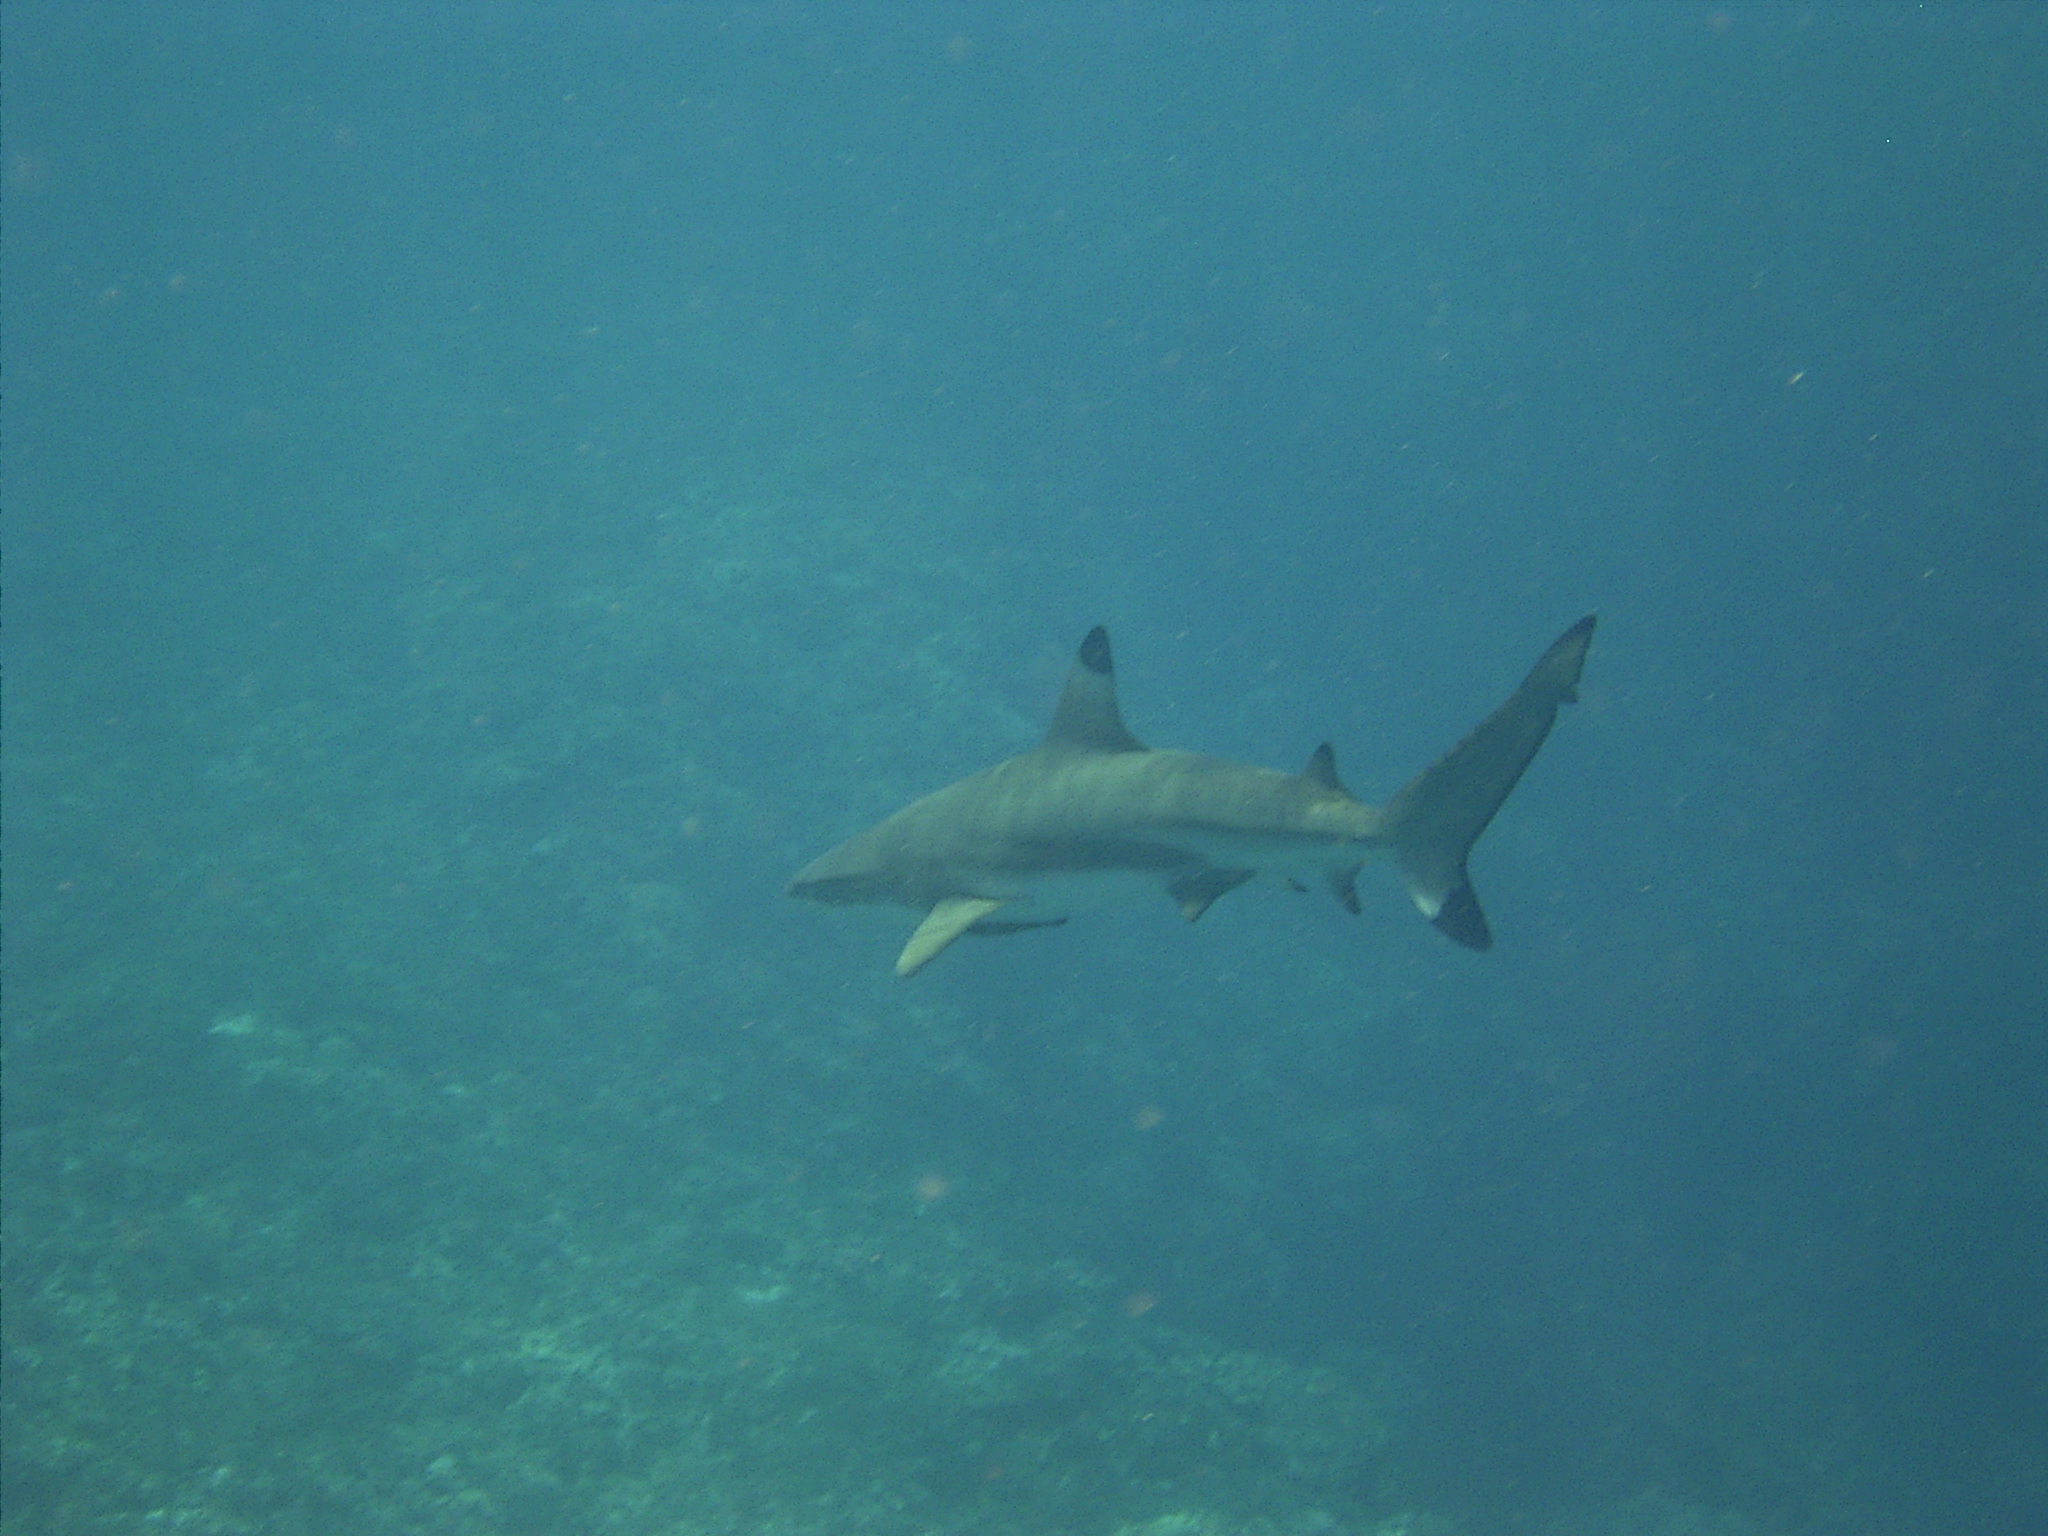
x=941 y=926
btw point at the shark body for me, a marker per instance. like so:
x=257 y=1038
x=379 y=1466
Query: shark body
x=1091 y=808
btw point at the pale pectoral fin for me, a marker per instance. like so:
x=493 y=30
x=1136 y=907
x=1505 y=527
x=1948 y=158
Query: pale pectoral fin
x=941 y=926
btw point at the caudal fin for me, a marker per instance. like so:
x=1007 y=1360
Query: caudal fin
x=1433 y=823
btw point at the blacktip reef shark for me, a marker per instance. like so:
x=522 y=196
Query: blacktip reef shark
x=1022 y=844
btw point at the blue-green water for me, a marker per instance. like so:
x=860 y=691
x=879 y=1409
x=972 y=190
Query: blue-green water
x=490 y=491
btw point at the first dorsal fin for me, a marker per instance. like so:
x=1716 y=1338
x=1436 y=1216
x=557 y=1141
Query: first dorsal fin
x=1322 y=769
x=1087 y=717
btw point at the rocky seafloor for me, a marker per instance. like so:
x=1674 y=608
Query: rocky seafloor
x=406 y=1131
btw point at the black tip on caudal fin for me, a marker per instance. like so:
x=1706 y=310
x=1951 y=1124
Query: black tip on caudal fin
x=1459 y=918
x=1433 y=823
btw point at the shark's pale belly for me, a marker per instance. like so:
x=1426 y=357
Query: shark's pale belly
x=1047 y=898
x=1043 y=894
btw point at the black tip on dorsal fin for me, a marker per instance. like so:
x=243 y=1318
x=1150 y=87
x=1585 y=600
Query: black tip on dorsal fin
x=1322 y=769
x=1087 y=716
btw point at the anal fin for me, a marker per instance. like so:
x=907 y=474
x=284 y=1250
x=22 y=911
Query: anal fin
x=941 y=926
